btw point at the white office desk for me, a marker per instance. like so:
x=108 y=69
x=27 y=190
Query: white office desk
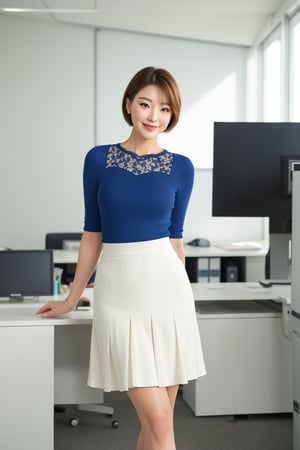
x=241 y=292
x=70 y=256
x=43 y=362
x=254 y=259
x=214 y=251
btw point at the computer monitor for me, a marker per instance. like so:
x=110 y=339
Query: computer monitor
x=252 y=170
x=252 y=176
x=26 y=273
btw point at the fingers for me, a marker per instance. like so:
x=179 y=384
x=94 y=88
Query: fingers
x=52 y=309
x=47 y=313
x=43 y=309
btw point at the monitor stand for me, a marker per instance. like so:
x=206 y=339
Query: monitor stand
x=21 y=299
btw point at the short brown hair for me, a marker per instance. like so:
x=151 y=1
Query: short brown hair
x=158 y=77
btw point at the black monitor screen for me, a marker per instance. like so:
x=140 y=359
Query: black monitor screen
x=251 y=176
x=26 y=273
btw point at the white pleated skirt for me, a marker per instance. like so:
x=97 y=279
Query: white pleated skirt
x=145 y=331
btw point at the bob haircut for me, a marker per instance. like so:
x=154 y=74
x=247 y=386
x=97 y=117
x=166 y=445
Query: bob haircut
x=160 y=78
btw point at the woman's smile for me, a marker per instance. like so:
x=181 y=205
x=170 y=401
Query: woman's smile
x=150 y=127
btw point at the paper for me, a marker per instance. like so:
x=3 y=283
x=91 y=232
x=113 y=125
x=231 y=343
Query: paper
x=241 y=245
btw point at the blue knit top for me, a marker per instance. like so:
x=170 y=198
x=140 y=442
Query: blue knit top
x=131 y=198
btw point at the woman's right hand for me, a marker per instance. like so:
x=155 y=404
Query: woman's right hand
x=54 y=308
x=89 y=252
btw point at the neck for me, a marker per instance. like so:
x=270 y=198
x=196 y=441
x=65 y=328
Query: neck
x=142 y=146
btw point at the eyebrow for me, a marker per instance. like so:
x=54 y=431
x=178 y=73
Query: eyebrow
x=149 y=100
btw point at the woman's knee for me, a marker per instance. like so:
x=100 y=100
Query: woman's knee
x=160 y=421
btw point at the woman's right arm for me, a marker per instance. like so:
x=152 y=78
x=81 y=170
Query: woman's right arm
x=89 y=252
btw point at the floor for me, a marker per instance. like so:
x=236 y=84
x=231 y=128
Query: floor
x=257 y=432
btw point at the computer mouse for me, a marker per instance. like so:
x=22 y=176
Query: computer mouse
x=200 y=242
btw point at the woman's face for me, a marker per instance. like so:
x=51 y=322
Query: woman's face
x=150 y=111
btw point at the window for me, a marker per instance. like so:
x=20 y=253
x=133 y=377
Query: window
x=272 y=77
x=295 y=68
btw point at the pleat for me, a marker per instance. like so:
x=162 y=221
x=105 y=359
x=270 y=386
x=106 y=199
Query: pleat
x=142 y=363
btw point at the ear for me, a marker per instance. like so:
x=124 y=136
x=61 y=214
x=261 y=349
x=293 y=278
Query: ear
x=128 y=105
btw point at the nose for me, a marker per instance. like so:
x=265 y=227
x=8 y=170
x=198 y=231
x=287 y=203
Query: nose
x=152 y=117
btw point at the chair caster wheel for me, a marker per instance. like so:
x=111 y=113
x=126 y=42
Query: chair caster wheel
x=74 y=422
x=115 y=424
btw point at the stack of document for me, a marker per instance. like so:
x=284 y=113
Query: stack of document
x=242 y=245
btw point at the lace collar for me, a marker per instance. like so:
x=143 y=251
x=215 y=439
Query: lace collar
x=118 y=156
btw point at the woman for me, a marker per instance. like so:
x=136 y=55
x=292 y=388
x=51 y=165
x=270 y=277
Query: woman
x=145 y=337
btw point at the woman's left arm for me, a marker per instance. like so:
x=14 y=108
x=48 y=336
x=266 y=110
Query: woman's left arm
x=184 y=178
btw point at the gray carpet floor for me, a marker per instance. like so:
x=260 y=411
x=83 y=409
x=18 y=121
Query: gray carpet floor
x=95 y=432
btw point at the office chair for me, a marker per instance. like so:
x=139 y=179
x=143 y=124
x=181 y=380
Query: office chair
x=55 y=241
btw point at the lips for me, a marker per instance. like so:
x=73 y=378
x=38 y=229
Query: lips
x=150 y=127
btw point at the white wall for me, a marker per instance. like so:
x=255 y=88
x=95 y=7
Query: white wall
x=47 y=124
x=52 y=96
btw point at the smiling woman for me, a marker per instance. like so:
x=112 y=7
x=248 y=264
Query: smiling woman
x=145 y=337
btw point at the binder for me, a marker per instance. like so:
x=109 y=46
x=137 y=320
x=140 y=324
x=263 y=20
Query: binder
x=203 y=270
x=214 y=270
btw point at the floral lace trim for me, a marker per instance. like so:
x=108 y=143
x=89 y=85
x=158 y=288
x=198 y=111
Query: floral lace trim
x=139 y=165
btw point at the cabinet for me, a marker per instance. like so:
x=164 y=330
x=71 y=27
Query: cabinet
x=228 y=269
x=26 y=387
x=248 y=360
x=236 y=265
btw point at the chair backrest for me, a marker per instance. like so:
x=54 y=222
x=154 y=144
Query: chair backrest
x=55 y=240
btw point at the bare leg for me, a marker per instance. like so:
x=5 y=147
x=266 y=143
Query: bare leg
x=172 y=393
x=155 y=409
x=140 y=442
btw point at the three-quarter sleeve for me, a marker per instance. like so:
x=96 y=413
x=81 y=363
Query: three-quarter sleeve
x=92 y=218
x=185 y=173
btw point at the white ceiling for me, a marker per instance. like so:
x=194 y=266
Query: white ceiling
x=229 y=21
